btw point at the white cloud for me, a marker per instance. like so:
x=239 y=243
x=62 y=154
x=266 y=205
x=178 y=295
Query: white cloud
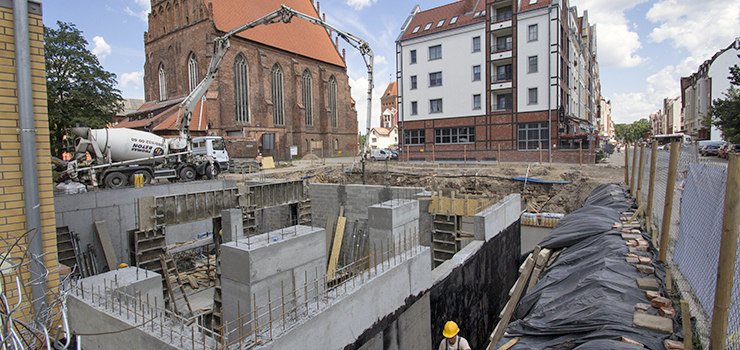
x=359 y=4
x=359 y=94
x=134 y=77
x=380 y=60
x=630 y=107
x=100 y=48
x=617 y=44
x=143 y=13
x=701 y=27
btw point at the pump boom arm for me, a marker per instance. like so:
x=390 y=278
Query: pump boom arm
x=221 y=46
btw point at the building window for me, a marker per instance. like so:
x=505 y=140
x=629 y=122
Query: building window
x=241 y=89
x=413 y=56
x=504 y=43
x=454 y=135
x=413 y=137
x=440 y=23
x=503 y=14
x=435 y=52
x=476 y=101
x=476 y=44
x=429 y=25
x=308 y=96
x=533 y=135
x=333 y=101
x=278 y=116
x=162 y=83
x=413 y=82
x=502 y=102
x=414 y=108
x=435 y=106
x=435 y=79
x=532 y=33
x=532 y=64
x=532 y=96
x=503 y=73
x=476 y=73
x=453 y=20
x=192 y=72
x=416 y=29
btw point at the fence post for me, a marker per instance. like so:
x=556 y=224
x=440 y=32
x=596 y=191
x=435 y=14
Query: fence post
x=432 y=153
x=499 y=154
x=667 y=208
x=651 y=189
x=727 y=255
x=580 y=152
x=639 y=177
x=627 y=165
x=633 y=183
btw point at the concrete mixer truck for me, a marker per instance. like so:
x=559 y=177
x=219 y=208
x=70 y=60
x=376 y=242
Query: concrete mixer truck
x=118 y=155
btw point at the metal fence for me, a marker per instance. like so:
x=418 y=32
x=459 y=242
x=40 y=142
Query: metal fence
x=695 y=230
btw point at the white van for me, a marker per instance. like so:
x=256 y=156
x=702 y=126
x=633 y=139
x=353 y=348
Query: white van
x=379 y=154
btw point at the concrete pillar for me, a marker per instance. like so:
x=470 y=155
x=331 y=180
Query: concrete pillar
x=391 y=221
x=232 y=225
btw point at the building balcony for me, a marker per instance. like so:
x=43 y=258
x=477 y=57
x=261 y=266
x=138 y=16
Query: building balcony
x=501 y=85
x=501 y=55
x=504 y=24
x=502 y=107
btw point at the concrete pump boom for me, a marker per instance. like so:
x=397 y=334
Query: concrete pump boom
x=221 y=46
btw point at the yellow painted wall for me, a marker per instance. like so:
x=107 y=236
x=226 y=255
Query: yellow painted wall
x=12 y=211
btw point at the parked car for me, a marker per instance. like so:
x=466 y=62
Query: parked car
x=722 y=151
x=394 y=154
x=709 y=150
x=379 y=154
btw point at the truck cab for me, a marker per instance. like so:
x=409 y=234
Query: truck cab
x=213 y=146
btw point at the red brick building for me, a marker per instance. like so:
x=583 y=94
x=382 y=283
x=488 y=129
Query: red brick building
x=279 y=85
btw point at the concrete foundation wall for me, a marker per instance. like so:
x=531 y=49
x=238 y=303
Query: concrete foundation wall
x=497 y=217
x=473 y=287
x=341 y=324
x=326 y=199
x=249 y=267
x=119 y=210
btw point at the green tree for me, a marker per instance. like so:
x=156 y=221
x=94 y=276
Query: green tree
x=725 y=113
x=78 y=88
x=632 y=132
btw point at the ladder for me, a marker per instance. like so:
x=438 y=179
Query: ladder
x=444 y=238
x=216 y=315
x=174 y=282
x=68 y=250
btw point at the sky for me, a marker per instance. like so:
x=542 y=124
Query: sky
x=644 y=46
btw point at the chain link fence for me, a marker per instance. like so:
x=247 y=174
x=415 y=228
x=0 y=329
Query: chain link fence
x=695 y=230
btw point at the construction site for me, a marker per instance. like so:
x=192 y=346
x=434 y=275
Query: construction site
x=306 y=255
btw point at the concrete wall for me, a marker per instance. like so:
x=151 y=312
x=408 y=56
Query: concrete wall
x=473 y=287
x=492 y=220
x=343 y=323
x=392 y=221
x=326 y=199
x=119 y=210
x=249 y=267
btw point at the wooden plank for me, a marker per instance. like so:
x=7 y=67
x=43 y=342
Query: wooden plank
x=508 y=310
x=146 y=213
x=330 y=222
x=686 y=323
x=509 y=344
x=639 y=210
x=110 y=254
x=338 y=235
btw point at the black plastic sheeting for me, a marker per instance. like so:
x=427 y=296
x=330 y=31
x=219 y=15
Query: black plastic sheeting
x=586 y=299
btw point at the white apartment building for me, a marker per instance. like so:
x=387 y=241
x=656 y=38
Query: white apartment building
x=701 y=88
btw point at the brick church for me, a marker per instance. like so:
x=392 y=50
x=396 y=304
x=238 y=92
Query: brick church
x=279 y=85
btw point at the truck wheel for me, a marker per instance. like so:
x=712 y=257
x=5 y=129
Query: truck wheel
x=115 y=180
x=216 y=172
x=187 y=173
x=147 y=176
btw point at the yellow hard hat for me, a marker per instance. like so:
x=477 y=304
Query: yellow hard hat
x=122 y=265
x=450 y=330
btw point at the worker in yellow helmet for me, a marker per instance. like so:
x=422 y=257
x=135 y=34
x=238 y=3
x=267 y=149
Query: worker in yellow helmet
x=122 y=265
x=453 y=341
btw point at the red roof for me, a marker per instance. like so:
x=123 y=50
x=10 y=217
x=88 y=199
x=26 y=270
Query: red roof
x=166 y=119
x=298 y=36
x=461 y=9
x=391 y=90
x=526 y=6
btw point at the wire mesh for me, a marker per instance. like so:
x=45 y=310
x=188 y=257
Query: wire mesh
x=695 y=231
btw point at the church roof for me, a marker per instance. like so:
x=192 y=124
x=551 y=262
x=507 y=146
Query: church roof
x=298 y=36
